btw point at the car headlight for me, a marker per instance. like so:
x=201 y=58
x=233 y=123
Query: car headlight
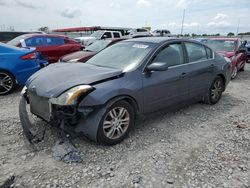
x=71 y=96
x=23 y=90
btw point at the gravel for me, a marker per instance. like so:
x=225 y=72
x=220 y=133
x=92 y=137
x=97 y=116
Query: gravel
x=196 y=146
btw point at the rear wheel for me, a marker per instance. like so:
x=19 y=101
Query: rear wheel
x=7 y=83
x=243 y=67
x=215 y=91
x=116 y=123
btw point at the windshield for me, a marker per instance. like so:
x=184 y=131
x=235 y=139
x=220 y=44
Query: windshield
x=97 y=34
x=98 y=46
x=222 y=45
x=124 y=56
x=16 y=41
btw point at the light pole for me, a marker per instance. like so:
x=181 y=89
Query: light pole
x=183 y=19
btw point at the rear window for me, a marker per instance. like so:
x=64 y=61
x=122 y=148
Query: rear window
x=54 y=41
x=34 y=41
x=116 y=35
x=16 y=41
x=196 y=52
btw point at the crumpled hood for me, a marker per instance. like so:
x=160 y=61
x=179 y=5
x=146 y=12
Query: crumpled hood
x=226 y=54
x=53 y=80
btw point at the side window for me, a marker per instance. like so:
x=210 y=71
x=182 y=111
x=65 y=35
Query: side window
x=196 y=52
x=209 y=53
x=172 y=54
x=34 y=41
x=108 y=34
x=116 y=35
x=54 y=41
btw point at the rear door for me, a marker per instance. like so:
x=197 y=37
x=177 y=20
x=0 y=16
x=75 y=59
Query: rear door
x=55 y=48
x=164 y=88
x=201 y=68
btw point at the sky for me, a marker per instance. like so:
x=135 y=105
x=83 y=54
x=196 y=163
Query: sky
x=201 y=16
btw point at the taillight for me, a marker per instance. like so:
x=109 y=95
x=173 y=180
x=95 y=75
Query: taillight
x=29 y=56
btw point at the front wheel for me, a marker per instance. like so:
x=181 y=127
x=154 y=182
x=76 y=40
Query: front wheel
x=116 y=123
x=7 y=83
x=215 y=91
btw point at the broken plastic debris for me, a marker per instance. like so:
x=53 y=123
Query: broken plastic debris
x=65 y=151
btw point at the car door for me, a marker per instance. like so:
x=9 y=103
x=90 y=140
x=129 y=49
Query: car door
x=201 y=67
x=163 y=88
x=55 y=48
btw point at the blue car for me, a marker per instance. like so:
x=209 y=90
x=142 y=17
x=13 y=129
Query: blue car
x=17 y=65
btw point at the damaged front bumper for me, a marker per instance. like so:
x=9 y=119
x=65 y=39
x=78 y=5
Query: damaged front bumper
x=71 y=118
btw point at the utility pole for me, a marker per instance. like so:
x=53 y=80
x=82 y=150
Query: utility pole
x=183 y=19
x=237 y=32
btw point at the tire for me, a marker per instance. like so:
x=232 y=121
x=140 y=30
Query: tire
x=243 y=68
x=7 y=83
x=210 y=98
x=114 y=131
x=234 y=73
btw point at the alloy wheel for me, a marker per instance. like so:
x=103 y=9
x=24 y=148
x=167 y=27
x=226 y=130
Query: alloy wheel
x=116 y=123
x=6 y=83
x=216 y=90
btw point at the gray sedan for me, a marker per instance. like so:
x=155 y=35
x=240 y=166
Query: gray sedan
x=101 y=98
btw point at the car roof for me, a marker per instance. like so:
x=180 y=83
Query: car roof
x=38 y=34
x=225 y=38
x=151 y=39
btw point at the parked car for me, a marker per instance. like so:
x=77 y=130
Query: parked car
x=16 y=66
x=248 y=51
x=161 y=33
x=137 y=76
x=51 y=47
x=233 y=49
x=136 y=33
x=89 y=51
x=98 y=35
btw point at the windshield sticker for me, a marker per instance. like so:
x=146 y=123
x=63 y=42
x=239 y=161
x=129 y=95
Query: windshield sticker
x=140 y=46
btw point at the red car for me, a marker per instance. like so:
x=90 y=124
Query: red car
x=89 y=51
x=232 y=48
x=51 y=47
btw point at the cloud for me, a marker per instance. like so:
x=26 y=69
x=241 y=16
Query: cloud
x=70 y=13
x=192 y=24
x=3 y=3
x=183 y=4
x=115 y=5
x=143 y=2
x=220 y=16
x=173 y=24
x=220 y=24
x=28 y=4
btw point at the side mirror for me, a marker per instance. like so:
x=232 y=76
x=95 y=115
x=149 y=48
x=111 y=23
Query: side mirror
x=157 y=66
x=104 y=36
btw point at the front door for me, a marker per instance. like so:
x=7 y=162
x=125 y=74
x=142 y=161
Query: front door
x=164 y=88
